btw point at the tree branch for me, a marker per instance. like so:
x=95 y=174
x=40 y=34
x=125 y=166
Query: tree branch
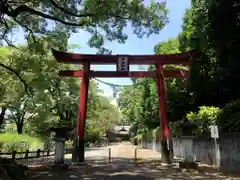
x=21 y=9
x=13 y=115
x=6 y=27
x=17 y=74
x=26 y=28
x=59 y=112
x=33 y=114
x=9 y=43
x=82 y=15
x=65 y=10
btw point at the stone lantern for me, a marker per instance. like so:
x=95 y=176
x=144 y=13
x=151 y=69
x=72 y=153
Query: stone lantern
x=60 y=131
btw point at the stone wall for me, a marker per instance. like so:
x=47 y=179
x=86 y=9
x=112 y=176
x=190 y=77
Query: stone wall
x=203 y=150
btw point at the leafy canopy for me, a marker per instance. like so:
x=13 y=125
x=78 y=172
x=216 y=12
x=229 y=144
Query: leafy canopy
x=103 y=19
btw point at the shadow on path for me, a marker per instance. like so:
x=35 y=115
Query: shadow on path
x=123 y=169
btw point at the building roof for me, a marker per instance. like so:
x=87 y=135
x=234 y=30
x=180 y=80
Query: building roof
x=122 y=129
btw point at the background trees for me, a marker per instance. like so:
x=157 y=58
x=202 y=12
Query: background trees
x=32 y=95
x=35 y=98
x=42 y=99
x=211 y=91
x=104 y=20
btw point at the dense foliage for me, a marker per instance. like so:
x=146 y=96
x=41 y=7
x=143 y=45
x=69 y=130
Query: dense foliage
x=203 y=118
x=209 y=96
x=228 y=118
x=44 y=99
x=32 y=96
x=103 y=19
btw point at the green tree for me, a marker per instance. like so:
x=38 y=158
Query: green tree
x=103 y=19
x=139 y=103
x=12 y=84
x=223 y=33
x=21 y=111
x=179 y=99
x=170 y=46
x=206 y=29
x=125 y=103
x=52 y=99
x=106 y=117
x=195 y=36
x=213 y=81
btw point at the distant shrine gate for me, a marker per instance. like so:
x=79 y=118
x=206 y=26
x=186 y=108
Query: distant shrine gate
x=123 y=63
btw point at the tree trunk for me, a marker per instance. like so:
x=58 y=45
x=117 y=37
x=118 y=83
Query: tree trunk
x=19 y=127
x=2 y=115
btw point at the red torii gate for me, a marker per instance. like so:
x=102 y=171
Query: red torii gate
x=122 y=62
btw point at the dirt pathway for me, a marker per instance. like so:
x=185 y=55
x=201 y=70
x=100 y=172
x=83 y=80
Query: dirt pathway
x=123 y=167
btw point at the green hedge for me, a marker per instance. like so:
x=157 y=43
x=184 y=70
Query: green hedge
x=206 y=116
x=18 y=142
x=229 y=117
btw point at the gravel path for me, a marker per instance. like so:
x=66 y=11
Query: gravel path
x=124 y=167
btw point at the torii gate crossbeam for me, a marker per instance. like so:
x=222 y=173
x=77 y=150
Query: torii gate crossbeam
x=113 y=74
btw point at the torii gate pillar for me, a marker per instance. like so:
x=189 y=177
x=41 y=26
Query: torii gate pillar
x=78 y=153
x=164 y=129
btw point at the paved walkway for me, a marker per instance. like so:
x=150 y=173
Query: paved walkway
x=100 y=153
x=123 y=167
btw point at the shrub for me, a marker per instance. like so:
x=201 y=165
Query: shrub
x=175 y=128
x=93 y=137
x=156 y=133
x=229 y=117
x=9 y=169
x=147 y=135
x=138 y=137
x=206 y=116
x=144 y=134
x=13 y=141
x=68 y=144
